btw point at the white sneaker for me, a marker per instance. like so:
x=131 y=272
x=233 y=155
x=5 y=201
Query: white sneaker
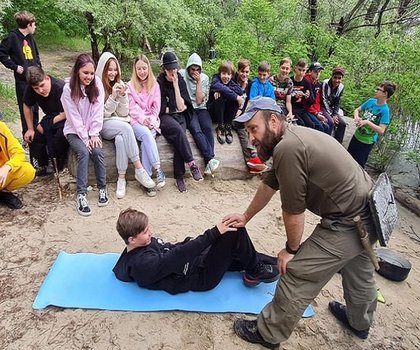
x=143 y=177
x=211 y=166
x=120 y=192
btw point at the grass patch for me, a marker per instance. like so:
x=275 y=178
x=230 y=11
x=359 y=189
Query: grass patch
x=60 y=41
x=8 y=104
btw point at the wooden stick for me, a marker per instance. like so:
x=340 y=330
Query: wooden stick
x=60 y=190
x=364 y=238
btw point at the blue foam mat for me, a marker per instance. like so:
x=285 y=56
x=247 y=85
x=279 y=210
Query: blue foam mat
x=86 y=280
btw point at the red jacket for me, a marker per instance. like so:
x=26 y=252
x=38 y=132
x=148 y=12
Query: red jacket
x=316 y=91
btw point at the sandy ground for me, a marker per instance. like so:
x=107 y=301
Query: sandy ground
x=32 y=237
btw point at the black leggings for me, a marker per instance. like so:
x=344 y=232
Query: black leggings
x=233 y=251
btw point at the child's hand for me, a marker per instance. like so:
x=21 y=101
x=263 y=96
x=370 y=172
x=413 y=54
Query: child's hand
x=223 y=228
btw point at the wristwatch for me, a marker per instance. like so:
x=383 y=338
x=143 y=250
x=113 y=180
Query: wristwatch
x=291 y=251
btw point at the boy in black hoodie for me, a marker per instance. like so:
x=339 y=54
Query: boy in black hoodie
x=18 y=51
x=195 y=264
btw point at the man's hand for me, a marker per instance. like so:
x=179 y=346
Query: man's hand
x=235 y=220
x=29 y=135
x=4 y=172
x=19 y=69
x=216 y=95
x=283 y=259
x=223 y=228
x=321 y=118
x=336 y=119
x=196 y=76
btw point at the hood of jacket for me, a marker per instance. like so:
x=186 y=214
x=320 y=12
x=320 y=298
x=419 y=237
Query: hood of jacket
x=102 y=61
x=194 y=59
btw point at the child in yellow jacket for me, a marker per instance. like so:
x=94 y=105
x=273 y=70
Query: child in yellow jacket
x=15 y=172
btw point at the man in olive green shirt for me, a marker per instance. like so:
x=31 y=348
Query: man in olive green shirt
x=334 y=187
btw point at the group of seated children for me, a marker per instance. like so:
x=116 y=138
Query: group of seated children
x=95 y=103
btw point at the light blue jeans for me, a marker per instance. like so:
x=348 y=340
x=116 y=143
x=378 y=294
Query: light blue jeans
x=149 y=152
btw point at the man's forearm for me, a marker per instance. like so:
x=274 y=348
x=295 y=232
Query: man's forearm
x=294 y=225
x=261 y=198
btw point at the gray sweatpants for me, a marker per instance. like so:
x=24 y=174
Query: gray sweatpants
x=149 y=151
x=126 y=147
x=323 y=254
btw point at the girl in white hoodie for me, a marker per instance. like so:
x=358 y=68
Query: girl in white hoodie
x=117 y=125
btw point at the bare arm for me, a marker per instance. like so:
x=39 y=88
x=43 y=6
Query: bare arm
x=29 y=118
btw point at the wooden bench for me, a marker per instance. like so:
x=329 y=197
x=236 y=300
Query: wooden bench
x=232 y=165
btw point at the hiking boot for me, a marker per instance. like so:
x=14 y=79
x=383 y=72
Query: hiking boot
x=220 y=134
x=82 y=204
x=264 y=273
x=248 y=330
x=228 y=134
x=196 y=173
x=121 y=185
x=11 y=200
x=180 y=185
x=143 y=177
x=151 y=192
x=103 y=198
x=255 y=163
x=339 y=312
x=160 y=178
x=211 y=166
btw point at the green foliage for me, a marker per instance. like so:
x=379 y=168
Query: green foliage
x=8 y=104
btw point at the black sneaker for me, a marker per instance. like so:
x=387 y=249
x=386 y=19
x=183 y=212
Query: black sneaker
x=41 y=171
x=103 y=198
x=247 y=330
x=12 y=201
x=180 y=185
x=264 y=273
x=339 y=312
x=82 y=205
x=228 y=134
x=220 y=134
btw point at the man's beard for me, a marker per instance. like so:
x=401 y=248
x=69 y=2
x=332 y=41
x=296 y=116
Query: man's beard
x=266 y=147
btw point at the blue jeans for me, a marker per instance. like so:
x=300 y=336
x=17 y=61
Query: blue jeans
x=318 y=125
x=82 y=156
x=201 y=128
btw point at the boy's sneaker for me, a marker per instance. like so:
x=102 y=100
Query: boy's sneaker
x=339 y=312
x=255 y=163
x=228 y=134
x=143 y=177
x=196 y=173
x=160 y=178
x=103 y=198
x=220 y=134
x=121 y=185
x=151 y=192
x=82 y=204
x=211 y=166
x=248 y=331
x=180 y=185
x=264 y=273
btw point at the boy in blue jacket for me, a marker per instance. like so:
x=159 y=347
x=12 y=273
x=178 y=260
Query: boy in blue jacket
x=261 y=86
x=195 y=264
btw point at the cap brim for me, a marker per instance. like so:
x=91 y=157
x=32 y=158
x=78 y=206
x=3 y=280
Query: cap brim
x=170 y=65
x=243 y=118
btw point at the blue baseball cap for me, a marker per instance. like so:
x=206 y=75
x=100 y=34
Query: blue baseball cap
x=258 y=104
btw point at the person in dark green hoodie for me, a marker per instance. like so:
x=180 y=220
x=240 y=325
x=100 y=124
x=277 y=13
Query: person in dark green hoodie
x=18 y=52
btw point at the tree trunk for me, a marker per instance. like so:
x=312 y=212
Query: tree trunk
x=93 y=37
x=313 y=10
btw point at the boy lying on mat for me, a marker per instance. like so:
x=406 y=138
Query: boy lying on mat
x=194 y=264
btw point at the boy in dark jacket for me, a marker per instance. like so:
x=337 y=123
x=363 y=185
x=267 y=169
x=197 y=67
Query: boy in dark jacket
x=18 y=52
x=224 y=100
x=195 y=264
